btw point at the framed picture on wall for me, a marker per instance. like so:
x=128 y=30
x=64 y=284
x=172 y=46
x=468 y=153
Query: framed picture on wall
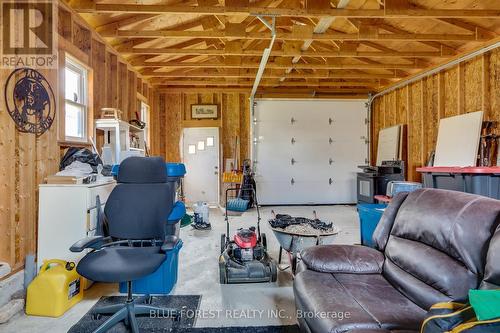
x=204 y=111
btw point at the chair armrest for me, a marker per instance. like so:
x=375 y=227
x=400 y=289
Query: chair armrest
x=343 y=259
x=177 y=212
x=92 y=242
x=169 y=243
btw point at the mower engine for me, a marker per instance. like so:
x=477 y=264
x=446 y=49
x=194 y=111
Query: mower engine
x=245 y=247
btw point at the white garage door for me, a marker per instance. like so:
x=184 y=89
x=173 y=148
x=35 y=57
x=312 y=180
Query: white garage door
x=307 y=152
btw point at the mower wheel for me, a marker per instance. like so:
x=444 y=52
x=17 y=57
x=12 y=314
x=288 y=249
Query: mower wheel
x=274 y=271
x=222 y=274
x=222 y=243
x=263 y=241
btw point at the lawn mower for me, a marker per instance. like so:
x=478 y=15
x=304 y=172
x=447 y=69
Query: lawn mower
x=244 y=259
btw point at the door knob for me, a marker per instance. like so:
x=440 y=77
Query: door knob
x=292 y=141
x=330 y=140
x=292 y=121
x=293 y=161
x=330 y=121
x=330 y=181
x=292 y=181
x=330 y=161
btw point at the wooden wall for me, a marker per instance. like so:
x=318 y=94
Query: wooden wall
x=174 y=114
x=467 y=87
x=27 y=159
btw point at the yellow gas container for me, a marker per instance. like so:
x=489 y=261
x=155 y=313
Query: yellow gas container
x=56 y=289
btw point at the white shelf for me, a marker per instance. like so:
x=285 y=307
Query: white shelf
x=119 y=132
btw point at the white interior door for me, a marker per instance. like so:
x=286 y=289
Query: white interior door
x=307 y=152
x=200 y=151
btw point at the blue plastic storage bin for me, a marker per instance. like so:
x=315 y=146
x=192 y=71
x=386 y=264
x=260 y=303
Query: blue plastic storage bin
x=369 y=216
x=160 y=282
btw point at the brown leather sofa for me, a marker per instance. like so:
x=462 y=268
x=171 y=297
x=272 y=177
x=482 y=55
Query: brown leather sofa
x=431 y=246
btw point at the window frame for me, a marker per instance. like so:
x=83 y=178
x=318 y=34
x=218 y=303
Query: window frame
x=81 y=69
x=145 y=114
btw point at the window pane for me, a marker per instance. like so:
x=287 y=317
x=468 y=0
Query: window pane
x=191 y=149
x=74 y=120
x=210 y=141
x=72 y=81
x=201 y=145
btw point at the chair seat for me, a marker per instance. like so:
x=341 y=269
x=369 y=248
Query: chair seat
x=370 y=301
x=120 y=263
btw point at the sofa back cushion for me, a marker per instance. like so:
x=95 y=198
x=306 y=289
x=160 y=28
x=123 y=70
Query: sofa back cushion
x=492 y=270
x=437 y=247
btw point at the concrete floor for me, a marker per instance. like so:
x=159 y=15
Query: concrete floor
x=249 y=304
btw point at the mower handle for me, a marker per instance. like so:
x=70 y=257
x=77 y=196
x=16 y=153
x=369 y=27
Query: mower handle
x=256 y=206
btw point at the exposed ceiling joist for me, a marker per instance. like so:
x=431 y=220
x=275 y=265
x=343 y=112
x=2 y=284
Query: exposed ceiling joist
x=267 y=74
x=171 y=34
x=387 y=12
x=282 y=53
x=272 y=65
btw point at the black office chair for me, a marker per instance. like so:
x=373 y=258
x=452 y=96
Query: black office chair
x=136 y=212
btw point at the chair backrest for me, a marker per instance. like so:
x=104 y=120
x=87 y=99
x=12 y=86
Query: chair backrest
x=139 y=205
x=438 y=243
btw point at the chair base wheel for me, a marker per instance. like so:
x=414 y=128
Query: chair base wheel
x=96 y=316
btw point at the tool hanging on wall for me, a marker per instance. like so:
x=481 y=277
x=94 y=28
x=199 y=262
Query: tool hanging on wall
x=488 y=146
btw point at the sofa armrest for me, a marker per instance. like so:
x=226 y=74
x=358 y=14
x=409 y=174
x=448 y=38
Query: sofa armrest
x=343 y=259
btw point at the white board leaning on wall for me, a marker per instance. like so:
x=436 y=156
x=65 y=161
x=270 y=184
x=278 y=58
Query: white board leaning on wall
x=458 y=140
x=389 y=144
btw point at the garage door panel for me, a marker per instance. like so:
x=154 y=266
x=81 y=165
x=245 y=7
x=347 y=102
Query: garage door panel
x=328 y=145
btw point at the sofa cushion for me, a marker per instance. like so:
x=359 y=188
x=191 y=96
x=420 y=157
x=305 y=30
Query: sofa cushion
x=437 y=247
x=385 y=304
x=366 y=302
x=492 y=270
x=343 y=259
x=321 y=293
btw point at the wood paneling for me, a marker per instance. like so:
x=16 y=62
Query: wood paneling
x=174 y=113
x=469 y=87
x=27 y=159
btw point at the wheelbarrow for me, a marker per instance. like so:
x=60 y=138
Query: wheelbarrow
x=293 y=243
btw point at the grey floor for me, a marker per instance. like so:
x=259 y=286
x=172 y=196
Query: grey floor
x=221 y=305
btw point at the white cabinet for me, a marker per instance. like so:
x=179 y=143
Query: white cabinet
x=307 y=152
x=66 y=214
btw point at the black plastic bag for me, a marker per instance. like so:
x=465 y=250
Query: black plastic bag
x=82 y=155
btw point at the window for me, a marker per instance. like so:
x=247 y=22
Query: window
x=75 y=94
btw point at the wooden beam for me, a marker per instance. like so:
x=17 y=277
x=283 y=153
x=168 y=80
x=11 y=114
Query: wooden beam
x=267 y=74
x=283 y=53
x=222 y=34
x=271 y=83
x=272 y=65
x=406 y=13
